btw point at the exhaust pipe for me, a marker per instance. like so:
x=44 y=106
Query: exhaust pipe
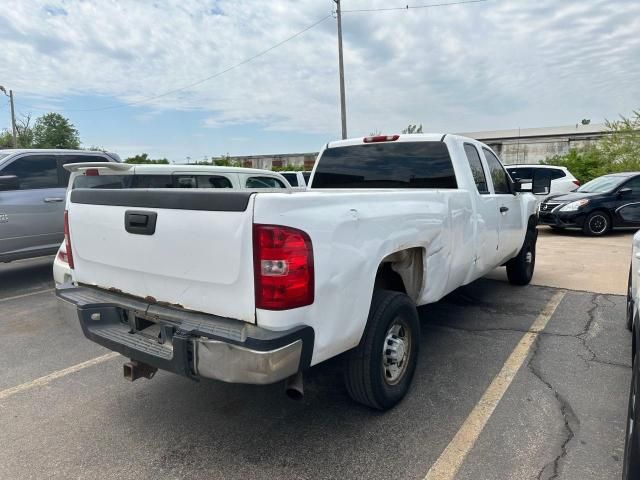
x=134 y=370
x=294 y=386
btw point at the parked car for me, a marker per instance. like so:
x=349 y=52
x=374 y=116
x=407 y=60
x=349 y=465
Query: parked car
x=297 y=179
x=32 y=193
x=250 y=287
x=631 y=464
x=562 y=181
x=161 y=176
x=607 y=202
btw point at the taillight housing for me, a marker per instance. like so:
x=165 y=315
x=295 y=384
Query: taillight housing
x=576 y=182
x=67 y=239
x=283 y=267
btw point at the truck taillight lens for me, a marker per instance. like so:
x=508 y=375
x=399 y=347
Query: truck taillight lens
x=283 y=267
x=576 y=182
x=67 y=239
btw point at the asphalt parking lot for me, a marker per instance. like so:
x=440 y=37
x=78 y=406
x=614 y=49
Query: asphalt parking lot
x=562 y=416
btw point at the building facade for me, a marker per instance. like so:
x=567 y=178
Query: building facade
x=527 y=145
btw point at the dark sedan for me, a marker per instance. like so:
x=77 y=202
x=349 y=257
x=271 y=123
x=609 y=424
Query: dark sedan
x=607 y=202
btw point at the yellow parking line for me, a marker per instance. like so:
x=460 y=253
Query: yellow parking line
x=450 y=461
x=39 y=382
x=16 y=297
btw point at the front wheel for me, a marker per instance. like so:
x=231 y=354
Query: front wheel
x=378 y=372
x=597 y=223
x=520 y=269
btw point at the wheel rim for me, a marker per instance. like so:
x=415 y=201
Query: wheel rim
x=597 y=224
x=396 y=351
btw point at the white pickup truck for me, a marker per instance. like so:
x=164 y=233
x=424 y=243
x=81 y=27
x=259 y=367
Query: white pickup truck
x=256 y=287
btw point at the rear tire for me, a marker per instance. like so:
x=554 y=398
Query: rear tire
x=520 y=269
x=596 y=224
x=378 y=372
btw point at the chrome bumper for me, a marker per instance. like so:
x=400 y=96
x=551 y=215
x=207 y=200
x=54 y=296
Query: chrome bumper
x=234 y=364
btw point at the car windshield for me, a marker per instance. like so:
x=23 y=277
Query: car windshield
x=601 y=184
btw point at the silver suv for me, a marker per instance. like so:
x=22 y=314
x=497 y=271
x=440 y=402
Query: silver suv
x=32 y=197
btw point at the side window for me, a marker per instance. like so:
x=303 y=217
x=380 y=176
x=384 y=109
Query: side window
x=34 y=172
x=264 y=182
x=501 y=183
x=634 y=185
x=556 y=173
x=213 y=181
x=476 y=168
x=292 y=178
x=520 y=173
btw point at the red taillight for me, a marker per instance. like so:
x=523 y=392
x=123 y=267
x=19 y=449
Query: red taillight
x=577 y=182
x=381 y=138
x=62 y=255
x=283 y=267
x=67 y=239
x=92 y=172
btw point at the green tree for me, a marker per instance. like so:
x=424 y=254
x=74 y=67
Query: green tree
x=143 y=158
x=24 y=134
x=413 y=129
x=226 y=161
x=52 y=130
x=618 y=151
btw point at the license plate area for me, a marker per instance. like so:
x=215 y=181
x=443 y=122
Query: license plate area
x=150 y=327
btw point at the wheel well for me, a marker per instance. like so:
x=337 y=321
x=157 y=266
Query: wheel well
x=388 y=279
x=402 y=271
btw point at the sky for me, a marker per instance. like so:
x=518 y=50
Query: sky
x=198 y=78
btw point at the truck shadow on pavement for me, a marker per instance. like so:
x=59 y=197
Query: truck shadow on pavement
x=250 y=432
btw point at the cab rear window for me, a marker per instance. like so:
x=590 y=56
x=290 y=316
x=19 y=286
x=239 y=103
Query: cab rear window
x=386 y=165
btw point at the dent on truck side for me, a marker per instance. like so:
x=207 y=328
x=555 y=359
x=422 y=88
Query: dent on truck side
x=352 y=234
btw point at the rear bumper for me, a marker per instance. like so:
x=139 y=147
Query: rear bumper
x=192 y=344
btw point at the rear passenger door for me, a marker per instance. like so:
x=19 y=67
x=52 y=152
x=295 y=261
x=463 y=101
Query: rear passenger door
x=34 y=211
x=486 y=216
x=510 y=221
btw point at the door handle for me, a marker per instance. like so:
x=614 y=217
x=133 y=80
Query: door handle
x=140 y=222
x=53 y=199
x=504 y=209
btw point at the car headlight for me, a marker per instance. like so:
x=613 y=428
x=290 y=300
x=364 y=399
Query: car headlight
x=574 y=206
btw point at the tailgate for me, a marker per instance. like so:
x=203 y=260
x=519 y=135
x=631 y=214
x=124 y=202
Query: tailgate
x=198 y=255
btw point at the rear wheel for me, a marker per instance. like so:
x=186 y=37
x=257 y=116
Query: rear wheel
x=520 y=269
x=597 y=223
x=378 y=372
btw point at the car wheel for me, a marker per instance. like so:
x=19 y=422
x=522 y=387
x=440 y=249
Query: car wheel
x=520 y=269
x=597 y=223
x=378 y=372
x=631 y=467
x=630 y=302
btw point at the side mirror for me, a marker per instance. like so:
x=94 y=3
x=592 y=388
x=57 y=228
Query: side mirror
x=9 y=182
x=624 y=192
x=541 y=184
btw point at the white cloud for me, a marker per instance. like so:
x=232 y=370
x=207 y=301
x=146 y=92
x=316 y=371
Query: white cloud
x=469 y=67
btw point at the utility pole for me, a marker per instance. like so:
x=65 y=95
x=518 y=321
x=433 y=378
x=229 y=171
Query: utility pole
x=13 y=121
x=13 y=116
x=343 y=107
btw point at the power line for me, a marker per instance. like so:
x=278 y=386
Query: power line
x=202 y=80
x=410 y=7
x=254 y=57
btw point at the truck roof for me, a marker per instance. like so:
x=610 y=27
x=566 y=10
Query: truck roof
x=403 y=137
